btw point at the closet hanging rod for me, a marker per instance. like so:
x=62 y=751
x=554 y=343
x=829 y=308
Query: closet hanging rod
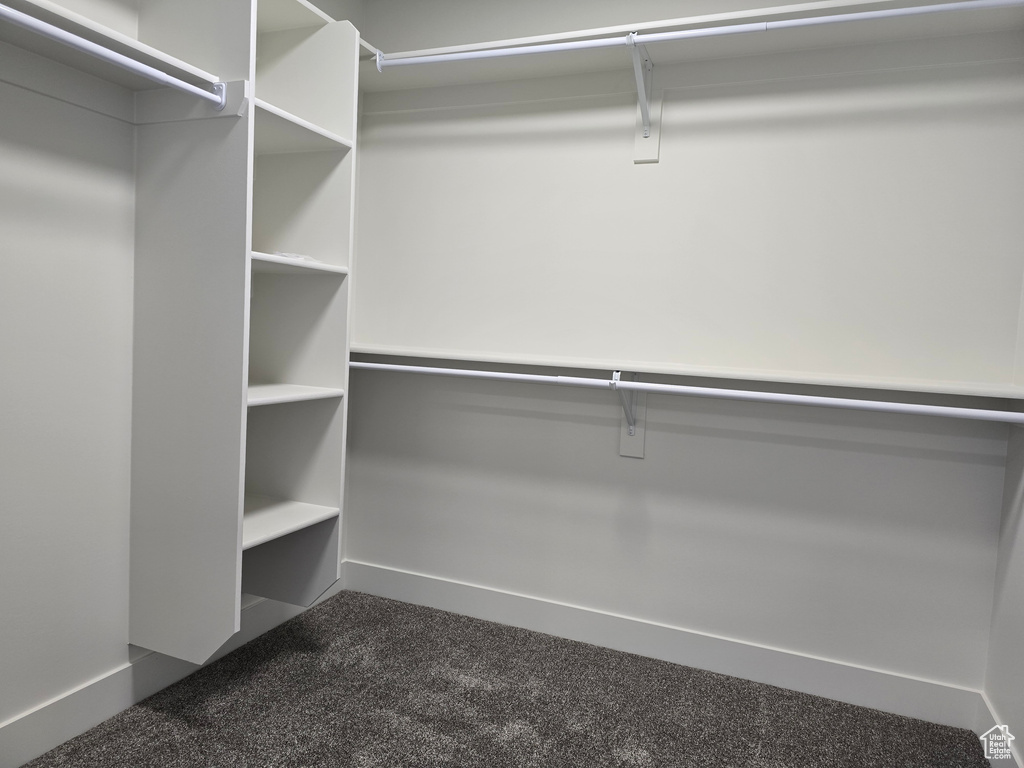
x=640 y=38
x=217 y=97
x=917 y=409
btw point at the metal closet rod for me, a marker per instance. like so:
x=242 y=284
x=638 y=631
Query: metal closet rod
x=916 y=409
x=217 y=97
x=635 y=38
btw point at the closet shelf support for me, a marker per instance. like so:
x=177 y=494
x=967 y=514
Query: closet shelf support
x=628 y=402
x=643 y=69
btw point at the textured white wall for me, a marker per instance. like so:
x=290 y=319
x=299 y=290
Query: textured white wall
x=67 y=224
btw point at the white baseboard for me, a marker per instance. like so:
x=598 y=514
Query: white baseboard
x=42 y=728
x=989 y=718
x=35 y=732
x=927 y=700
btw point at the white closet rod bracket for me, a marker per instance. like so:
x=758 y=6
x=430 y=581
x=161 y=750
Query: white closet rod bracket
x=217 y=97
x=643 y=69
x=628 y=402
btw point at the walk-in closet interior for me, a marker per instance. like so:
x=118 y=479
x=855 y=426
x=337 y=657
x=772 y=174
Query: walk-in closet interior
x=688 y=328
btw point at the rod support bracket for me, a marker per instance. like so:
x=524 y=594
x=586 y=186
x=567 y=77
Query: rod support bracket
x=628 y=402
x=643 y=70
x=221 y=90
x=379 y=58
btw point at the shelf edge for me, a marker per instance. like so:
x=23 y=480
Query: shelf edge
x=269 y=258
x=299 y=122
x=298 y=396
x=326 y=513
x=960 y=389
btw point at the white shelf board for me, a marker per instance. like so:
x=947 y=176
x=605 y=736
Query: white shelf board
x=277 y=15
x=273 y=394
x=282 y=265
x=908 y=386
x=58 y=16
x=280 y=132
x=267 y=519
x=847 y=33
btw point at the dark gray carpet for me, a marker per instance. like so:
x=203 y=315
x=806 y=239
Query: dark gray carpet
x=362 y=681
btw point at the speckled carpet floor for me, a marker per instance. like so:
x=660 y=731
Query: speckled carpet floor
x=363 y=681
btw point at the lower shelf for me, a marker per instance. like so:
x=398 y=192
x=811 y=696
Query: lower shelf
x=271 y=394
x=267 y=519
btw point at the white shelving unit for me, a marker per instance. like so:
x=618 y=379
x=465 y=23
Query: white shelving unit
x=240 y=365
x=302 y=198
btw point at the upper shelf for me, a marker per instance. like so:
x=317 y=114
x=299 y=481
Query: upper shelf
x=116 y=41
x=719 y=374
x=279 y=132
x=276 y=15
x=847 y=33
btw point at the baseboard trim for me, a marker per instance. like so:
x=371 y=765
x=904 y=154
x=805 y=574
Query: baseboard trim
x=902 y=695
x=989 y=718
x=40 y=729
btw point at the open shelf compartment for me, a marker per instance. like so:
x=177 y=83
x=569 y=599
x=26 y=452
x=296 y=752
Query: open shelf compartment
x=277 y=15
x=295 y=568
x=290 y=67
x=299 y=205
x=293 y=488
x=281 y=132
x=297 y=334
x=294 y=451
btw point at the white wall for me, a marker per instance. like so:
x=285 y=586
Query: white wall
x=67 y=223
x=519 y=488
x=121 y=15
x=857 y=224
x=865 y=539
x=399 y=25
x=844 y=215
x=350 y=10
